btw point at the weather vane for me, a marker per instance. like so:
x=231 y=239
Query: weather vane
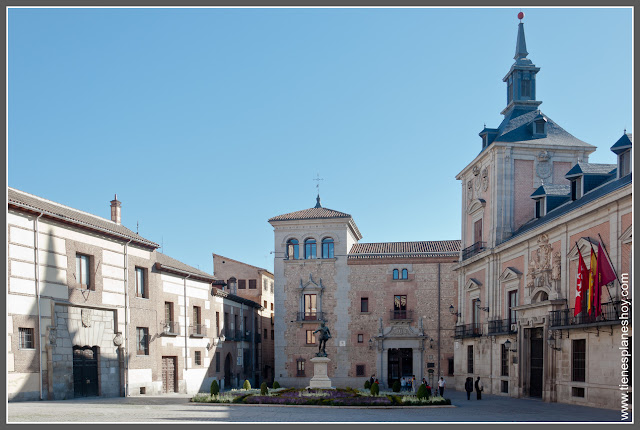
x=318 y=179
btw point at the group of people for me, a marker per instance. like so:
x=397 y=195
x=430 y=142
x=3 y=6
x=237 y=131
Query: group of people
x=469 y=386
x=408 y=383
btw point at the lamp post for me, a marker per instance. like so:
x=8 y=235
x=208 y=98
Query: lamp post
x=482 y=308
x=452 y=311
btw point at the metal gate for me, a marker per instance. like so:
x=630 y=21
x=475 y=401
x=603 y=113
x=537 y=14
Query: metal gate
x=85 y=371
x=536 y=368
x=169 y=374
x=399 y=363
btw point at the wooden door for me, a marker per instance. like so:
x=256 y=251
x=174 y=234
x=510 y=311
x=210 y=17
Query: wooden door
x=477 y=232
x=169 y=374
x=85 y=371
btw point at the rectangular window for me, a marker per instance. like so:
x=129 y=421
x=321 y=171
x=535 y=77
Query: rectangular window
x=625 y=163
x=578 y=360
x=271 y=286
x=143 y=340
x=470 y=359
x=242 y=284
x=505 y=387
x=477 y=233
x=252 y=284
x=265 y=304
x=525 y=88
x=364 y=304
x=141 y=283
x=574 y=190
x=272 y=335
x=577 y=392
x=540 y=127
x=311 y=338
x=197 y=326
x=169 y=324
x=360 y=370
x=26 y=339
x=504 y=361
x=513 y=302
x=272 y=306
x=300 y=367
x=217 y=361
x=538 y=208
x=360 y=338
x=310 y=310
x=399 y=307
x=475 y=315
x=218 y=324
x=197 y=358
x=265 y=285
x=265 y=334
x=450 y=367
x=83 y=273
x=227 y=327
x=510 y=90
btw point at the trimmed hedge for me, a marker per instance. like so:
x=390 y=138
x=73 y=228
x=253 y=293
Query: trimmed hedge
x=215 y=388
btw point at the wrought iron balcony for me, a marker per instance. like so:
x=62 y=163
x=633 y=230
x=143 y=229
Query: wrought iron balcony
x=501 y=327
x=468 y=330
x=170 y=328
x=309 y=316
x=611 y=315
x=474 y=249
x=401 y=315
x=198 y=330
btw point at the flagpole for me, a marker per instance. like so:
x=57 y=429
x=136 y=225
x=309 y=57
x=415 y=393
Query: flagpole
x=614 y=272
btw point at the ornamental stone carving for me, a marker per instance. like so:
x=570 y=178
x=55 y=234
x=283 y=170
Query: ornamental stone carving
x=555 y=270
x=470 y=190
x=541 y=272
x=52 y=337
x=86 y=315
x=543 y=168
x=476 y=170
x=117 y=339
x=485 y=179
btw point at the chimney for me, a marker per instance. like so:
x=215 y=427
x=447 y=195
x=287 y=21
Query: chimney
x=115 y=210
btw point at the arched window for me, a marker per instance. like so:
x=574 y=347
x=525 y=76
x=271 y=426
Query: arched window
x=327 y=247
x=405 y=274
x=310 y=248
x=395 y=273
x=292 y=249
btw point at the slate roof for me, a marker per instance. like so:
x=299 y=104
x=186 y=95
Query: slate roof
x=595 y=194
x=169 y=262
x=625 y=142
x=591 y=169
x=552 y=190
x=433 y=248
x=313 y=213
x=515 y=127
x=30 y=202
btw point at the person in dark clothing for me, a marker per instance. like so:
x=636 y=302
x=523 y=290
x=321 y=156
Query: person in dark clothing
x=479 y=388
x=468 y=387
x=372 y=380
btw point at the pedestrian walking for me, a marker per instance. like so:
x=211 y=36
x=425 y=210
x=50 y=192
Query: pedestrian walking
x=403 y=384
x=441 y=384
x=468 y=387
x=372 y=379
x=413 y=383
x=479 y=388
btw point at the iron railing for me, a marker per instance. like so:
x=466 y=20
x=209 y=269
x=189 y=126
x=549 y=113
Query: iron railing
x=501 y=327
x=611 y=315
x=468 y=330
x=198 y=330
x=170 y=328
x=309 y=316
x=474 y=249
x=396 y=314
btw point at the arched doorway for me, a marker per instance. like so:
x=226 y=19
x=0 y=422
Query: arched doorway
x=85 y=371
x=227 y=371
x=400 y=363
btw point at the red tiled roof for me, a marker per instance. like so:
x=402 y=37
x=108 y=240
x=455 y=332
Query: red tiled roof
x=313 y=213
x=405 y=249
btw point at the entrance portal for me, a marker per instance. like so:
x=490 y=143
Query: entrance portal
x=400 y=363
x=169 y=376
x=227 y=372
x=85 y=371
x=536 y=362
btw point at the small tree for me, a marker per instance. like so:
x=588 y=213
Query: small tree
x=263 y=389
x=396 y=386
x=276 y=385
x=423 y=393
x=215 y=388
x=375 y=389
x=367 y=384
x=246 y=385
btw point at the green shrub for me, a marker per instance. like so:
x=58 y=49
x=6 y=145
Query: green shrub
x=423 y=393
x=246 y=385
x=375 y=389
x=263 y=389
x=276 y=385
x=396 y=386
x=215 y=388
x=367 y=384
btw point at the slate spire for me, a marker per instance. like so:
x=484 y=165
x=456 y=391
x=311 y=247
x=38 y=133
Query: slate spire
x=521 y=44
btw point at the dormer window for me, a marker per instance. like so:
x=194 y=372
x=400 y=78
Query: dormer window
x=484 y=141
x=539 y=127
x=624 y=163
x=540 y=208
x=576 y=191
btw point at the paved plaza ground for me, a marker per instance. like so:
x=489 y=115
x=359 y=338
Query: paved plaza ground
x=176 y=408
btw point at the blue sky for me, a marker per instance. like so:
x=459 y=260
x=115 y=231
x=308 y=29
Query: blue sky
x=207 y=122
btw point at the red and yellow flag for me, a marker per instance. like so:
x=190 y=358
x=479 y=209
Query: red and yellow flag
x=583 y=276
x=593 y=276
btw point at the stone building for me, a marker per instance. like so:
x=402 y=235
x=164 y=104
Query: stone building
x=386 y=304
x=531 y=203
x=256 y=284
x=94 y=309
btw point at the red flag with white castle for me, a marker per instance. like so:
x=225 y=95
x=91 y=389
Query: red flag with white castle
x=583 y=280
x=605 y=275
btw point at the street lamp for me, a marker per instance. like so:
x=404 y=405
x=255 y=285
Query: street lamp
x=482 y=308
x=507 y=345
x=453 y=311
x=552 y=342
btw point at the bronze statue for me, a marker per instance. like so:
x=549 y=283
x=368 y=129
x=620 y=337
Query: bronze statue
x=325 y=335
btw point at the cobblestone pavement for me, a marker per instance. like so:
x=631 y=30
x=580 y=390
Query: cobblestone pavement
x=176 y=408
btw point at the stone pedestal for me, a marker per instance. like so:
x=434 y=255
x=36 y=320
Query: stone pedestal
x=320 y=376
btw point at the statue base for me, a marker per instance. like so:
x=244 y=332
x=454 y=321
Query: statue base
x=320 y=376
